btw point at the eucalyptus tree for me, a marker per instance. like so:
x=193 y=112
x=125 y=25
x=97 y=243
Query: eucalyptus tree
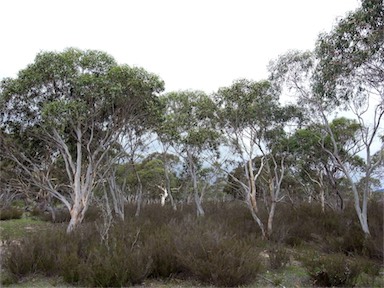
x=75 y=105
x=151 y=174
x=254 y=123
x=314 y=168
x=168 y=163
x=345 y=73
x=167 y=159
x=11 y=187
x=350 y=71
x=189 y=126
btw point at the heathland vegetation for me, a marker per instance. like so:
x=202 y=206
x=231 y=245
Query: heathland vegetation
x=219 y=188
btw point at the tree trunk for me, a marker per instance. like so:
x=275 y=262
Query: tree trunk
x=139 y=195
x=168 y=185
x=164 y=195
x=77 y=215
x=117 y=196
x=322 y=200
x=252 y=185
x=80 y=189
x=361 y=211
x=256 y=217
x=192 y=169
x=271 y=216
x=199 y=207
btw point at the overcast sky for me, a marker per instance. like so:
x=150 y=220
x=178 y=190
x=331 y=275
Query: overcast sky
x=197 y=44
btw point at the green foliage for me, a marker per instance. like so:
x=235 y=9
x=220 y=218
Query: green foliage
x=189 y=120
x=66 y=110
x=246 y=99
x=353 y=46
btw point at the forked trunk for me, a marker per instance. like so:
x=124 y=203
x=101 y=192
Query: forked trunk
x=77 y=216
x=256 y=218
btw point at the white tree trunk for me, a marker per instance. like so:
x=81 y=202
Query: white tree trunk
x=193 y=173
x=77 y=215
x=164 y=195
x=168 y=184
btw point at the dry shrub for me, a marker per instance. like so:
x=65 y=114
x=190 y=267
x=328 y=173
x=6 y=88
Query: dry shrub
x=334 y=270
x=162 y=249
x=81 y=257
x=219 y=249
x=216 y=257
x=278 y=257
x=331 y=231
x=8 y=213
x=60 y=215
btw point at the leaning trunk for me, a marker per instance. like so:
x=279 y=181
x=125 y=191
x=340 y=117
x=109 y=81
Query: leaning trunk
x=256 y=217
x=361 y=212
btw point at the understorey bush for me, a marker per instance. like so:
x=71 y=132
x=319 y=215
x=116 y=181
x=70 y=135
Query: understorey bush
x=55 y=216
x=162 y=249
x=115 y=268
x=333 y=270
x=278 y=257
x=81 y=257
x=219 y=249
x=217 y=257
x=8 y=213
x=35 y=254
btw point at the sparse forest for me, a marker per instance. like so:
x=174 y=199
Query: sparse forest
x=124 y=183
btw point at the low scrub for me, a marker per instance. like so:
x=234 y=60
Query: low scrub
x=219 y=249
x=278 y=257
x=161 y=246
x=137 y=249
x=81 y=258
x=331 y=231
x=55 y=216
x=335 y=270
x=62 y=215
x=217 y=257
x=8 y=213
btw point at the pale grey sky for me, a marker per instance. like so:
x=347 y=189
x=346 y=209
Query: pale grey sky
x=195 y=44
